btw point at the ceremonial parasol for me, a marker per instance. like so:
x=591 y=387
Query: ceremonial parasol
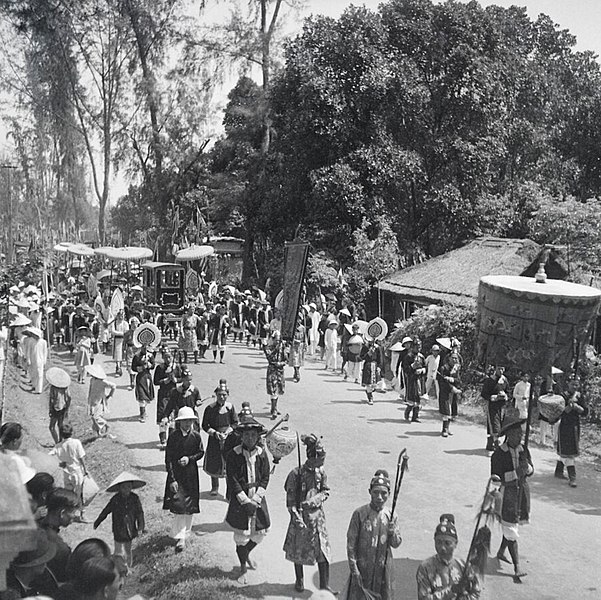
x=534 y=325
x=62 y=247
x=192 y=281
x=102 y=250
x=194 y=252
x=80 y=250
x=147 y=335
x=128 y=253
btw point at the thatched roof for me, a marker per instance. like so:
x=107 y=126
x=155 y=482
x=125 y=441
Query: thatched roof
x=454 y=277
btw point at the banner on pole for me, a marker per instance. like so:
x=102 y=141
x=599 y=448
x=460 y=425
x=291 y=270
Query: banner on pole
x=295 y=265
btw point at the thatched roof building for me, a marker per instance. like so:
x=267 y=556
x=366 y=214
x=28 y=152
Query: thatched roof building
x=454 y=277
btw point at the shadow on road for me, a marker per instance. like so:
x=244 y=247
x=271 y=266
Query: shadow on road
x=404 y=570
x=468 y=451
x=281 y=590
x=130 y=419
x=261 y=368
x=424 y=433
x=143 y=445
x=154 y=468
x=211 y=527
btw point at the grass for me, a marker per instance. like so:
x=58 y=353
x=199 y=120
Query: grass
x=158 y=572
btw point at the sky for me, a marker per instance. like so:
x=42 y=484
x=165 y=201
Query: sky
x=581 y=17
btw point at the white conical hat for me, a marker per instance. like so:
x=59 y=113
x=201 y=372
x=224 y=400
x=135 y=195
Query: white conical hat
x=96 y=370
x=126 y=476
x=20 y=321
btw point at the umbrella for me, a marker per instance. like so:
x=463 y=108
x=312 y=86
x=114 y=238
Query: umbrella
x=102 y=250
x=128 y=253
x=194 y=252
x=80 y=250
x=62 y=247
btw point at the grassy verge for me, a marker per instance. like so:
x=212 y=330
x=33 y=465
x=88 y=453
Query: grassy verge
x=158 y=572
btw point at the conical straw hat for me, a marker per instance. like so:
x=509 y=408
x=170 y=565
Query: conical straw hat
x=96 y=370
x=58 y=377
x=136 y=482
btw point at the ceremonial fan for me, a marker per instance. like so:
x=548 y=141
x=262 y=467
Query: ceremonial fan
x=281 y=442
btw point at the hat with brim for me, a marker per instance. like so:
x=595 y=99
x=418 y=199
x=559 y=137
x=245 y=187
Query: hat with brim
x=345 y=311
x=20 y=321
x=556 y=371
x=444 y=342
x=186 y=414
x=406 y=340
x=34 y=331
x=44 y=551
x=83 y=329
x=96 y=370
x=397 y=347
x=313 y=305
x=249 y=423
x=125 y=477
x=58 y=377
x=511 y=423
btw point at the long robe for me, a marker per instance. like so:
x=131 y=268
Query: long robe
x=515 y=506
x=306 y=491
x=186 y=501
x=38 y=356
x=241 y=486
x=368 y=543
x=568 y=433
x=144 y=385
x=219 y=418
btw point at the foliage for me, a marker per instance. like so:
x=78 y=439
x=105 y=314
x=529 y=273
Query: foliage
x=572 y=224
x=447 y=320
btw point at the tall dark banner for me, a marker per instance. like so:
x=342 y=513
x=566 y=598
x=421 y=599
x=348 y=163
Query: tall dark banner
x=295 y=265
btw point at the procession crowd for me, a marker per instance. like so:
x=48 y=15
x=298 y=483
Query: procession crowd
x=236 y=443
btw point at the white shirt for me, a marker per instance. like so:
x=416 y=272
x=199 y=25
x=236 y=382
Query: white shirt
x=432 y=363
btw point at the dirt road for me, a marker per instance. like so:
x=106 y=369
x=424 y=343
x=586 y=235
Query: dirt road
x=560 y=548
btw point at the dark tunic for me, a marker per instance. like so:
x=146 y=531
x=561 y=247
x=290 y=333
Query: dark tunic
x=515 y=507
x=415 y=377
x=186 y=500
x=178 y=398
x=128 y=516
x=144 y=386
x=568 y=434
x=445 y=388
x=238 y=484
x=220 y=419
x=371 y=365
x=165 y=389
x=495 y=402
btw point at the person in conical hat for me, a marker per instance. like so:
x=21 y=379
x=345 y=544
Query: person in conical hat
x=182 y=488
x=441 y=575
x=127 y=513
x=59 y=401
x=372 y=533
x=99 y=394
x=307 y=540
x=331 y=340
x=247 y=473
x=511 y=462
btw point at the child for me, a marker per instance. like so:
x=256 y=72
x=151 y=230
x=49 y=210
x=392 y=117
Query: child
x=128 y=515
x=98 y=399
x=70 y=454
x=59 y=401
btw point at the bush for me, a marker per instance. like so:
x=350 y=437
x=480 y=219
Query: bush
x=446 y=320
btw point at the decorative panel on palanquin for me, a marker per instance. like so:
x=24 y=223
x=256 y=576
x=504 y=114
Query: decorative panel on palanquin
x=531 y=325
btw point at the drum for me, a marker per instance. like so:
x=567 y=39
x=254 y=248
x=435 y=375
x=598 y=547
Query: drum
x=280 y=443
x=551 y=406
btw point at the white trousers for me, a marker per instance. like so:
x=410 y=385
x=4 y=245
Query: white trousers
x=182 y=526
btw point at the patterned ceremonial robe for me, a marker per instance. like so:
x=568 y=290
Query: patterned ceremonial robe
x=513 y=466
x=308 y=488
x=188 y=341
x=276 y=358
x=368 y=543
x=247 y=478
x=218 y=329
x=219 y=418
x=436 y=578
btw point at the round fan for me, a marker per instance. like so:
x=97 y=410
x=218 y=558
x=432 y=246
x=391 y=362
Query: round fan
x=377 y=329
x=147 y=335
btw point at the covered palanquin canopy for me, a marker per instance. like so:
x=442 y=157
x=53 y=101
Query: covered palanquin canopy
x=533 y=325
